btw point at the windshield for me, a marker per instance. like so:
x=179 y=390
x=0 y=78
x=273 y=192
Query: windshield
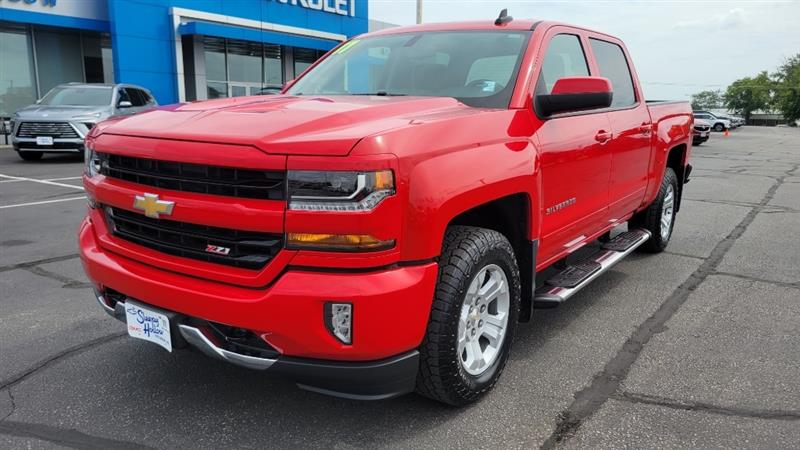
x=479 y=68
x=78 y=96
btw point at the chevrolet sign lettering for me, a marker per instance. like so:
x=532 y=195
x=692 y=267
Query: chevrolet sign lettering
x=152 y=206
x=341 y=7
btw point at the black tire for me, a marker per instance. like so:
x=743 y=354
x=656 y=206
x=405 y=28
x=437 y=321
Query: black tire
x=650 y=218
x=697 y=143
x=30 y=156
x=465 y=252
x=719 y=127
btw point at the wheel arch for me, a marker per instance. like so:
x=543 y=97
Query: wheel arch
x=510 y=216
x=676 y=160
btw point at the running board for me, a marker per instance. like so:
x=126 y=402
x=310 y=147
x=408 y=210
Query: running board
x=563 y=285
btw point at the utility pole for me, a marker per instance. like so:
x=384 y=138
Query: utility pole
x=419 y=11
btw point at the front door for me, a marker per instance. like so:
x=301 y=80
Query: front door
x=575 y=159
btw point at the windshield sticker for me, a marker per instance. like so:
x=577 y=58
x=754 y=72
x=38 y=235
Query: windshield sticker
x=344 y=48
x=488 y=86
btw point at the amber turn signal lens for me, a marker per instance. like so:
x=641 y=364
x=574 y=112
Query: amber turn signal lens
x=384 y=180
x=336 y=242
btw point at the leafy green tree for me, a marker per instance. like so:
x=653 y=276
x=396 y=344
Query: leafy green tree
x=751 y=94
x=788 y=88
x=707 y=100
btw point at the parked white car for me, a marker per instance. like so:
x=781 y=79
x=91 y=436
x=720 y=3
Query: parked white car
x=701 y=131
x=717 y=123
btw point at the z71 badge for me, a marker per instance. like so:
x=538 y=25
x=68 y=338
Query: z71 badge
x=216 y=249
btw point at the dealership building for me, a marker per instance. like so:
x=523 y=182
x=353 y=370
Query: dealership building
x=180 y=50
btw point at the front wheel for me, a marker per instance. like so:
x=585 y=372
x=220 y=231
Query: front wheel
x=719 y=127
x=473 y=318
x=659 y=217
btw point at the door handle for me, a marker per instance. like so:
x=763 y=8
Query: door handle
x=646 y=128
x=603 y=136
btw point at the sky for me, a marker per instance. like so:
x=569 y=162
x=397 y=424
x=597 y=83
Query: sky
x=678 y=47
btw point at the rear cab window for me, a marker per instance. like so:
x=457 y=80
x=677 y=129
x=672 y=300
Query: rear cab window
x=613 y=65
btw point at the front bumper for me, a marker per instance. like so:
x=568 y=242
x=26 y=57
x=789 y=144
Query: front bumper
x=371 y=380
x=72 y=145
x=390 y=316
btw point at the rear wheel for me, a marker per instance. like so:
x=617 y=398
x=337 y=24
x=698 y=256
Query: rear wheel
x=659 y=217
x=473 y=318
x=719 y=127
x=30 y=156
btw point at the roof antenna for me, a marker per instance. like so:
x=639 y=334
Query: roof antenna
x=503 y=18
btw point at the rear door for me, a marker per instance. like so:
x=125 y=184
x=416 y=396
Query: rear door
x=575 y=160
x=632 y=128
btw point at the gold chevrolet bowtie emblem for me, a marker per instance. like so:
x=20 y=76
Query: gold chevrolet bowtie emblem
x=152 y=206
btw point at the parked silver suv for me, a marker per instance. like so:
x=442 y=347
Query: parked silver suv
x=59 y=121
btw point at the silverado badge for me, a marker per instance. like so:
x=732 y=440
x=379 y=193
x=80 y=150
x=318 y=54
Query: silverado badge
x=152 y=206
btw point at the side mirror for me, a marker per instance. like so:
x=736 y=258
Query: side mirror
x=576 y=94
x=125 y=104
x=38 y=100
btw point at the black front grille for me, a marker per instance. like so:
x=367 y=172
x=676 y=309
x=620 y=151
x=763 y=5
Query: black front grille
x=61 y=130
x=702 y=127
x=216 y=180
x=246 y=249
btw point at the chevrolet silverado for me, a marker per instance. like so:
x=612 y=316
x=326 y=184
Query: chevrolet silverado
x=383 y=224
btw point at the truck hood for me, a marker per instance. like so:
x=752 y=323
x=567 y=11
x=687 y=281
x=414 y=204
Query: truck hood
x=306 y=125
x=46 y=112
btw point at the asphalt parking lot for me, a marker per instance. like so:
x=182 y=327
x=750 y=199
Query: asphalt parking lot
x=695 y=347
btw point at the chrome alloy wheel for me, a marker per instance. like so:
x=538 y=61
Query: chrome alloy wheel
x=483 y=322
x=667 y=212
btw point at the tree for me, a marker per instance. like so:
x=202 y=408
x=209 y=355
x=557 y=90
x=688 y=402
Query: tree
x=751 y=94
x=788 y=89
x=707 y=100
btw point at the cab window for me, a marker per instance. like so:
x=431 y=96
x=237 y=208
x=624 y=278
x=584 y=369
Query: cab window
x=564 y=58
x=614 y=66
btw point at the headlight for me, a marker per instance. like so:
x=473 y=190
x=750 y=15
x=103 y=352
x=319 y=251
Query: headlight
x=93 y=162
x=338 y=191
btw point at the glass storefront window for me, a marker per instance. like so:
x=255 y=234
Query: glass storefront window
x=234 y=68
x=244 y=61
x=273 y=66
x=97 y=59
x=304 y=57
x=17 y=87
x=214 y=49
x=58 y=56
x=216 y=89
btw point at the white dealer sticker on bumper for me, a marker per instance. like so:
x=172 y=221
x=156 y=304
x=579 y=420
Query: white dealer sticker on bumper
x=148 y=325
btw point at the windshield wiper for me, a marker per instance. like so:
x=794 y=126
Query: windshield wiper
x=380 y=94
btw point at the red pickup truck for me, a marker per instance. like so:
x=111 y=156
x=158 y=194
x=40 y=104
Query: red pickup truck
x=383 y=225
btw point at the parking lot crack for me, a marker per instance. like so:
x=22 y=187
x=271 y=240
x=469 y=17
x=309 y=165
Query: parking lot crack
x=38 y=262
x=607 y=382
x=69 y=283
x=795 y=285
x=13 y=405
x=66 y=437
x=687 y=405
x=49 y=361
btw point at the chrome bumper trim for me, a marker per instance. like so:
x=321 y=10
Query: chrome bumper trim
x=199 y=340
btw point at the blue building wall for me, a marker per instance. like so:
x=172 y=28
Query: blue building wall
x=143 y=34
x=143 y=37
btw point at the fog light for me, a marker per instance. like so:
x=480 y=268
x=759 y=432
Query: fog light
x=339 y=320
